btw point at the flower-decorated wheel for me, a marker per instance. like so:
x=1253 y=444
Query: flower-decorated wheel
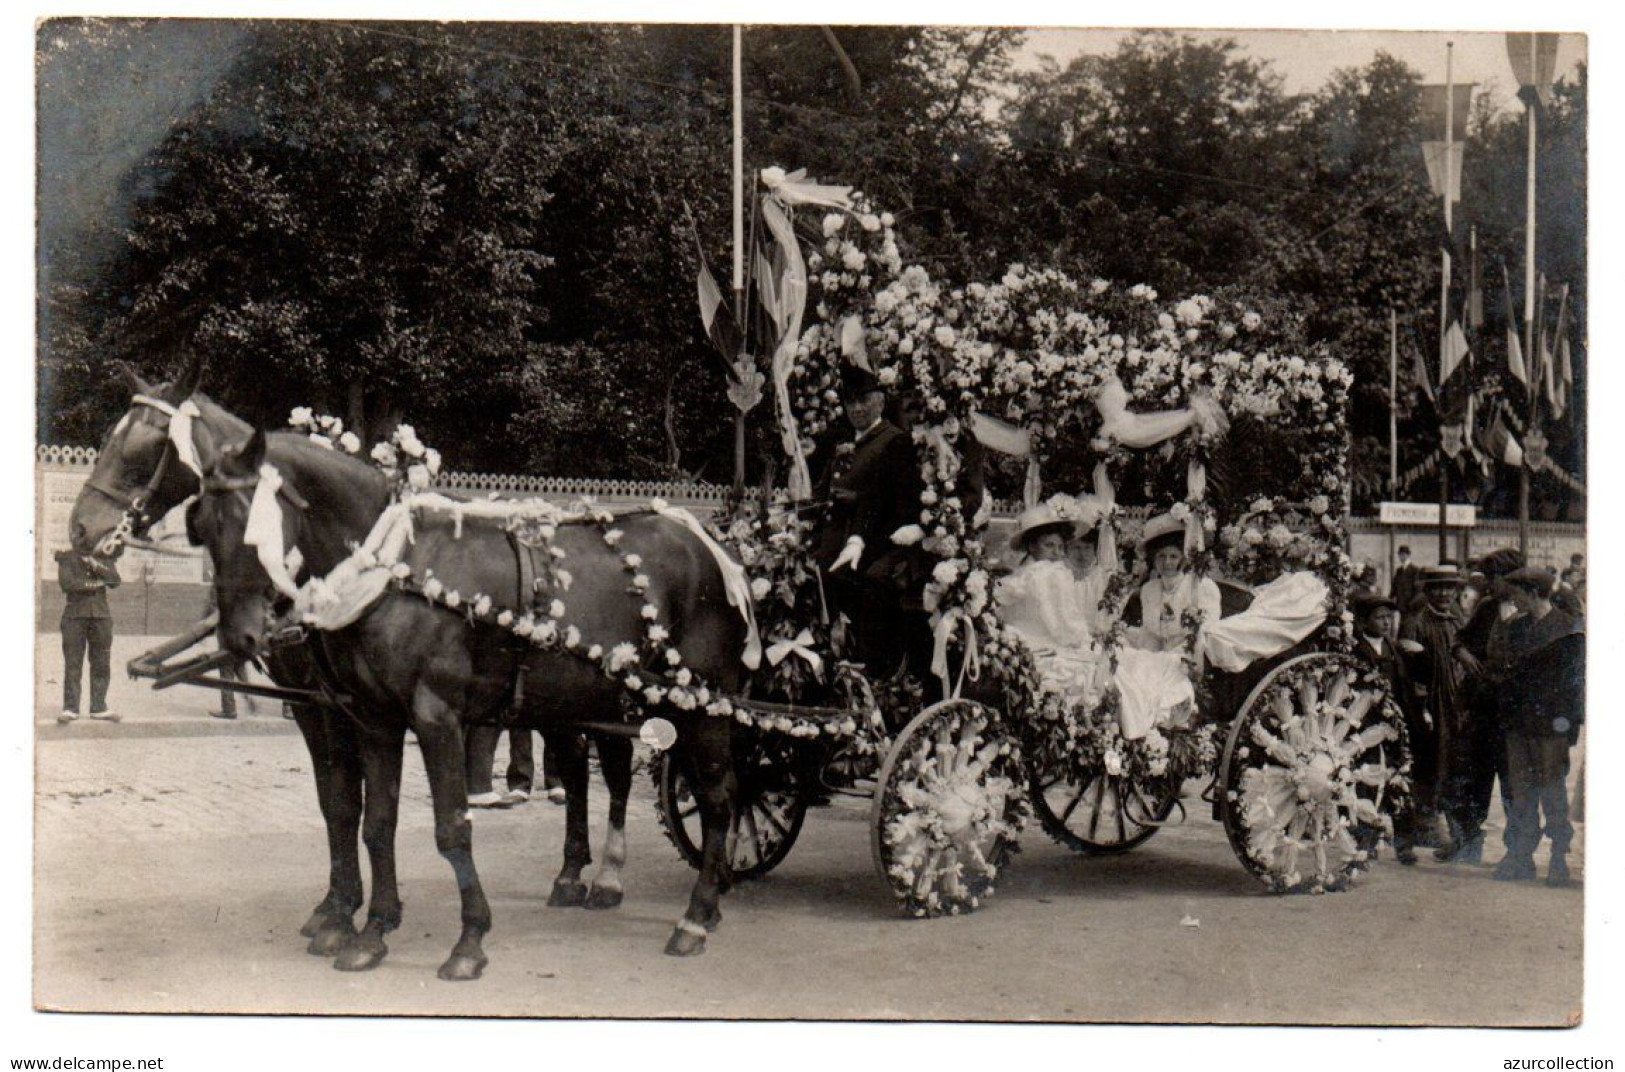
x=1314 y=769
x=947 y=808
x=1099 y=813
x=770 y=805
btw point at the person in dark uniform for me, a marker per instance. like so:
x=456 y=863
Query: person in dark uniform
x=87 y=629
x=1406 y=588
x=1374 y=618
x=1478 y=753
x=1428 y=639
x=1538 y=659
x=869 y=474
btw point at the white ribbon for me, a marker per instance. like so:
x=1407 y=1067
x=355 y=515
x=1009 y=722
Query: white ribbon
x=801 y=644
x=180 y=428
x=734 y=581
x=852 y=342
x=972 y=665
x=796 y=189
x=1106 y=541
x=787 y=302
x=1195 y=491
x=264 y=531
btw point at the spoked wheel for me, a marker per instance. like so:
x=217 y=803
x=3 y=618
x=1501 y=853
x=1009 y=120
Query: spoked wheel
x=1102 y=814
x=769 y=808
x=946 y=809
x=1312 y=773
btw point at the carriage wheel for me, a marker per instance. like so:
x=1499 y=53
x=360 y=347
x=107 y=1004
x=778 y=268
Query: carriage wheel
x=1312 y=773
x=946 y=809
x=769 y=807
x=1102 y=814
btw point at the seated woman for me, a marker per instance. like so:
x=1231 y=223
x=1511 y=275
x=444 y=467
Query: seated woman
x=1045 y=606
x=1172 y=591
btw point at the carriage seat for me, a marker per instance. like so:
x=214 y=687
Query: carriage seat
x=1233 y=599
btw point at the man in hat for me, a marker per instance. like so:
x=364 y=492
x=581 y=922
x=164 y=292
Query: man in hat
x=1478 y=753
x=869 y=474
x=1407 y=581
x=1374 y=618
x=1538 y=661
x=1428 y=639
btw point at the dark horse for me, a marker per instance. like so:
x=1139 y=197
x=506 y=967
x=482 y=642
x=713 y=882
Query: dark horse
x=138 y=478
x=411 y=663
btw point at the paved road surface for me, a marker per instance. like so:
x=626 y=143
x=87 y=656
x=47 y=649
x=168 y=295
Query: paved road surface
x=176 y=857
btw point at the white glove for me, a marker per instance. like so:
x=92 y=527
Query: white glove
x=849 y=554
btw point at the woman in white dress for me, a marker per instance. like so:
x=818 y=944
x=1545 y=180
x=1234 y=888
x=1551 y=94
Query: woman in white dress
x=1172 y=591
x=1043 y=603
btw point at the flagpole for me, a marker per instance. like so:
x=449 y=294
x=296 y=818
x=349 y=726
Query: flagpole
x=1393 y=424
x=739 y=244
x=1444 y=288
x=1530 y=357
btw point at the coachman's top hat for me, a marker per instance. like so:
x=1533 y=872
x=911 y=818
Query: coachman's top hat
x=857 y=382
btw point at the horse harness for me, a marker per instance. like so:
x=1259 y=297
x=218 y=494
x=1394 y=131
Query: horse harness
x=134 y=503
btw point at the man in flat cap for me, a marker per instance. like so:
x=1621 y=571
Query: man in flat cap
x=1428 y=639
x=1538 y=661
x=870 y=477
x=1478 y=753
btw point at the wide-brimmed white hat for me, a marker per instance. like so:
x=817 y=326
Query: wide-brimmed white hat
x=1072 y=515
x=1158 y=530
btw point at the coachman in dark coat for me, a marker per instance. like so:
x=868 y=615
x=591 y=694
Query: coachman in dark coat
x=87 y=629
x=1428 y=639
x=1538 y=662
x=869 y=474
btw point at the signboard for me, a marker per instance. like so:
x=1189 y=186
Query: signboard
x=1457 y=515
x=59 y=488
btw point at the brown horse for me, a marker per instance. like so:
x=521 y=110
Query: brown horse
x=139 y=477
x=416 y=664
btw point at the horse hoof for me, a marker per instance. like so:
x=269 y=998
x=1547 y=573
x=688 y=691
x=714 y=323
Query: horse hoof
x=462 y=969
x=360 y=956
x=331 y=939
x=604 y=897
x=685 y=943
x=319 y=921
x=568 y=895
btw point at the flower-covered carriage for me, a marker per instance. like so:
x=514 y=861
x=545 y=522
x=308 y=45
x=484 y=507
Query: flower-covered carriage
x=1206 y=416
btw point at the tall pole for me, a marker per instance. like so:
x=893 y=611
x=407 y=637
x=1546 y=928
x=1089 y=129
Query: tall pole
x=1393 y=426
x=739 y=244
x=1529 y=300
x=1444 y=289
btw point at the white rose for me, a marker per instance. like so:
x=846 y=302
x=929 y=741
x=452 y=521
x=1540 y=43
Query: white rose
x=384 y=454
x=870 y=223
x=760 y=587
x=1251 y=320
x=301 y=417
x=833 y=223
x=418 y=476
x=350 y=443
x=944 y=335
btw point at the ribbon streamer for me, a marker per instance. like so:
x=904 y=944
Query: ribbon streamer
x=972 y=664
x=734 y=581
x=1106 y=541
x=264 y=531
x=787 y=303
x=795 y=188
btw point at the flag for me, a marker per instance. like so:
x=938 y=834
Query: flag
x=1514 y=346
x=720 y=326
x=1422 y=383
x=1549 y=372
x=1453 y=350
x=1565 y=383
x=1534 y=63
x=1500 y=444
x=1475 y=285
x=1433 y=155
x=1432 y=111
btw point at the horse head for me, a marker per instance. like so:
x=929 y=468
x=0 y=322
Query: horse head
x=139 y=474
x=224 y=520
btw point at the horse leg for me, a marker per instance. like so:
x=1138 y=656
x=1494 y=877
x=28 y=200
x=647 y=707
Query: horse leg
x=338 y=792
x=711 y=768
x=615 y=757
x=440 y=736
x=381 y=774
x=571 y=749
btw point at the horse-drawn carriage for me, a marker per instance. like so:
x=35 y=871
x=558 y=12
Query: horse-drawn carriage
x=641 y=626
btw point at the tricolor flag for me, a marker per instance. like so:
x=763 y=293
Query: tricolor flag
x=1422 y=382
x=1514 y=345
x=1453 y=350
x=1500 y=444
x=720 y=325
x=1555 y=395
x=1475 y=284
x=1432 y=117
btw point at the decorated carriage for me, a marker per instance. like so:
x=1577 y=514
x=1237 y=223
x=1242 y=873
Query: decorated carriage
x=1200 y=413
x=1207 y=416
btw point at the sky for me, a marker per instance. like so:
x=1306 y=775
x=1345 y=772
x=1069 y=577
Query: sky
x=1306 y=59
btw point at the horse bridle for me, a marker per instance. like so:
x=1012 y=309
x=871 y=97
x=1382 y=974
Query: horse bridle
x=134 y=503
